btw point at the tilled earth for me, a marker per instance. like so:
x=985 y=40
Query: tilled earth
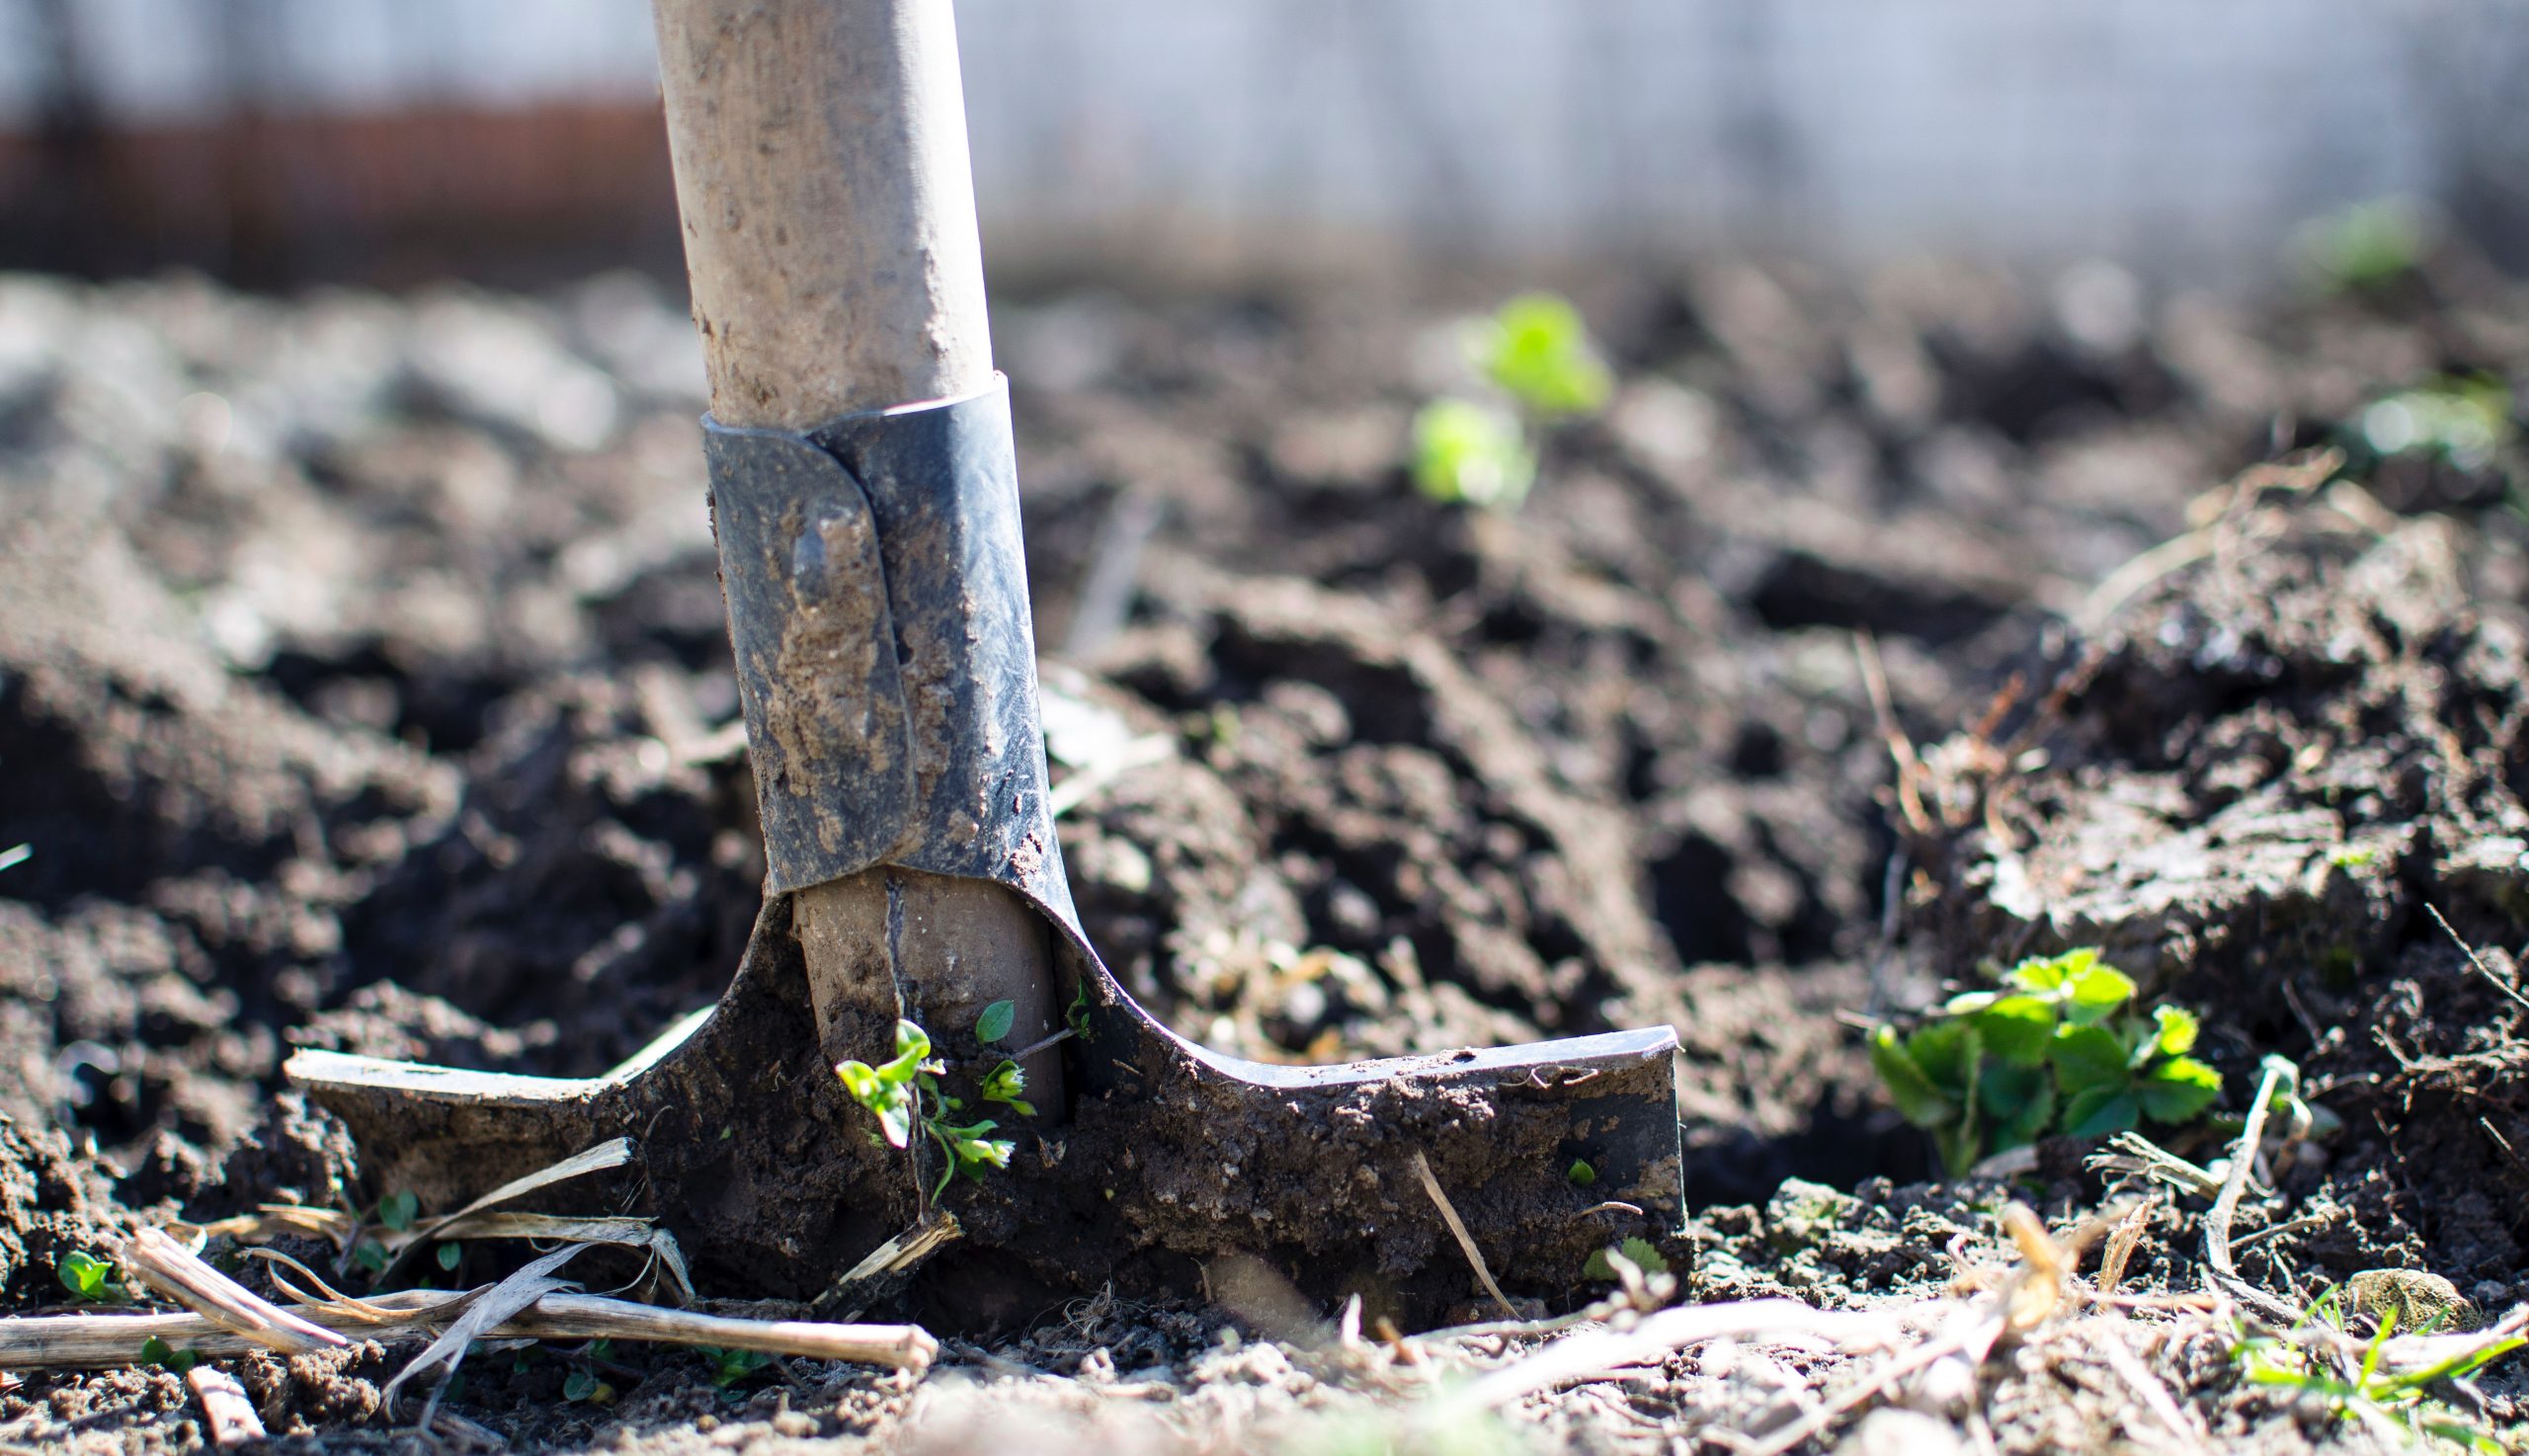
x=363 y=684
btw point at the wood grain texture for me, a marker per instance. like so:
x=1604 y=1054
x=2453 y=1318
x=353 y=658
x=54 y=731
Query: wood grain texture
x=827 y=202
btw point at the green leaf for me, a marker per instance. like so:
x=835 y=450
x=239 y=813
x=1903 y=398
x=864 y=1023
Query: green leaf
x=155 y=1352
x=1645 y=1255
x=398 y=1209
x=369 y=1254
x=2086 y=1057
x=2044 y=975
x=1005 y=1084
x=1465 y=452
x=579 y=1384
x=735 y=1366
x=1949 y=1052
x=1538 y=349
x=2097 y=1111
x=2018 y=1029
x=448 y=1256
x=2175 y=1032
x=1580 y=1174
x=886 y=1098
x=2177 y=1089
x=2094 y=992
x=2018 y=1104
x=1641 y=1252
x=996 y=1021
x=1917 y=1101
x=88 y=1277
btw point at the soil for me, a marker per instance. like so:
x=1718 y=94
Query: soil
x=363 y=684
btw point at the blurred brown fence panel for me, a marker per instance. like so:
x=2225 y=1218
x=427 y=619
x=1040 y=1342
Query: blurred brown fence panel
x=511 y=193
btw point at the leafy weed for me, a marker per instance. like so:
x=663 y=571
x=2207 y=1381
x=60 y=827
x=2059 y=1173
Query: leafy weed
x=2060 y=1048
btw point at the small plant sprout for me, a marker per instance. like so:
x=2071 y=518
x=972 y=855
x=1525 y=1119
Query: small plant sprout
x=2355 y=1382
x=905 y=1093
x=2059 y=1049
x=728 y=1367
x=2351 y=856
x=1469 y=452
x=2460 y=421
x=888 y=1091
x=1535 y=357
x=156 y=1351
x=2366 y=247
x=1641 y=1252
x=89 y=1279
x=1004 y=1083
x=1580 y=1174
x=589 y=1387
x=398 y=1209
x=1537 y=348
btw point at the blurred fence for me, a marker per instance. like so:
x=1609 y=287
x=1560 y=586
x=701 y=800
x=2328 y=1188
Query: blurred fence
x=380 y=136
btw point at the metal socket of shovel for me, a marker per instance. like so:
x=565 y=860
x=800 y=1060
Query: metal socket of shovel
x=866 y=500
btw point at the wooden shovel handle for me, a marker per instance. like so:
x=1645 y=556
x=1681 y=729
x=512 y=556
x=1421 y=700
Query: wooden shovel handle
x=828 y=205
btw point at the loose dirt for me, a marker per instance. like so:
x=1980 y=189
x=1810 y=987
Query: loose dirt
x=358 y=693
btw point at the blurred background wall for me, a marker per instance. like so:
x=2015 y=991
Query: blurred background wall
x=272 y=142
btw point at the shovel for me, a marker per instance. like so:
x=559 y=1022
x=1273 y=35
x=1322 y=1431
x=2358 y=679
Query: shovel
x=865 y=502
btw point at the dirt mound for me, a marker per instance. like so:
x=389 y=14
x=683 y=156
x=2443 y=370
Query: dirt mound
x=2255 y=790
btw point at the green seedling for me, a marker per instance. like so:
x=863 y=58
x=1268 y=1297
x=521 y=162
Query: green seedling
x=89 y=1279
x=370 y=1254
x=1464 y=451
x=2366 y=247
x=589 y=1387
x=2395 y=1403
x=398 y=1209
x=1580 y=1173
x=1644 y=1254
x=2462 y=421
x=155 y=1352
x=1535 y=352
x=1004 y=1083
x=2059 y=1049
x=2351 y=857
x=728 y=1367
x=450 y=1255
x=904 y=1093
x=1076 y=1016
x=1537 y=348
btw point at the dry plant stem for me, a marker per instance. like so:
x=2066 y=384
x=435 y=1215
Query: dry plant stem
x=1457 y=1226
x=1975 y=1336
x=114 y=1342
x=2279 y=1075
x=489 y=1306
x=225 y=1408
x=2478 y=961
x=2120 y=1247
x=1592 y=1353
x=2106 y=1336
x=180 y=1274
